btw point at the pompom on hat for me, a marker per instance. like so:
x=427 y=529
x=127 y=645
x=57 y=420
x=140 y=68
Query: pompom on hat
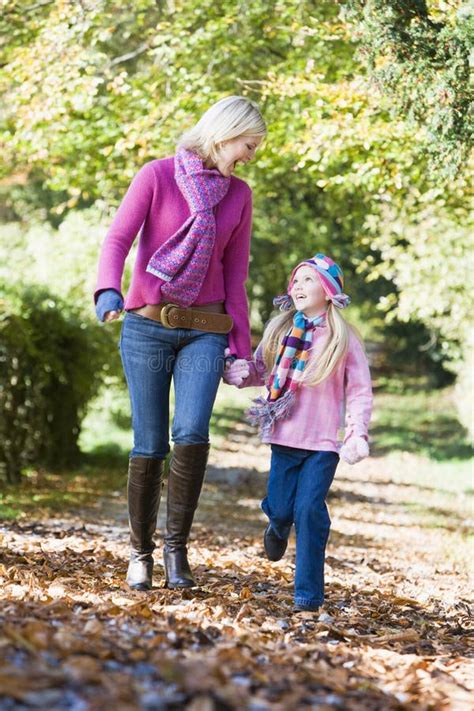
x=331 y=278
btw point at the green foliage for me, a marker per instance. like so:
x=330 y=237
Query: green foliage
x=50 y=368
x=94 y=89
x=426 y=252
x=56 y=355
x=419 y=53
x=63 y=260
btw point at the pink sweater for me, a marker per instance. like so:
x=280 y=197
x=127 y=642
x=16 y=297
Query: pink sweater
x=321 y=412
x=154 y=203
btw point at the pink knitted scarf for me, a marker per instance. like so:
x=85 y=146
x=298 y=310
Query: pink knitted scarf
x=183 y=260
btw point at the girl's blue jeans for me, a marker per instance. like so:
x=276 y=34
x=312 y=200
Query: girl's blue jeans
x=297 y=487
x=152 y=357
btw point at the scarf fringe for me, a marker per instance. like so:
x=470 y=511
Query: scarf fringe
x=264 y=413
x=156 y=272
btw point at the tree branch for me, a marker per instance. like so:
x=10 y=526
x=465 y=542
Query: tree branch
x=31 y=8
x=130 y=55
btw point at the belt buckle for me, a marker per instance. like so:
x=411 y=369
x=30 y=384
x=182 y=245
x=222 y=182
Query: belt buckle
x=164 y=315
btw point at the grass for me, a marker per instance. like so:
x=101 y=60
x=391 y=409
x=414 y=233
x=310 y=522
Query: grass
x=107 y=427
x=412 y=420
x=423 y=422
x=415 y=431
x=106 y=440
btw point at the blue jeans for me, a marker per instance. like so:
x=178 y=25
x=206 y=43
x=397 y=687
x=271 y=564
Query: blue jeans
x=296 y=493
x=152 y=356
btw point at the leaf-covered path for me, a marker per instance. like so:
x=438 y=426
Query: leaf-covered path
x=393 y=633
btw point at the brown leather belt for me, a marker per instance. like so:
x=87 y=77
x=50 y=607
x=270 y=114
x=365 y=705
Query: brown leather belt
x=208 y=317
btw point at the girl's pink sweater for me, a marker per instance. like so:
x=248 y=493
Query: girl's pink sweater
x=326 y=414
x=155 y=204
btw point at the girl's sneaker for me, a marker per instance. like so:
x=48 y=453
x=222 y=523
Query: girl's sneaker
x=275 y=546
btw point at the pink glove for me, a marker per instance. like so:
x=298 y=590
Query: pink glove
x=354 y=450
x=236 y=372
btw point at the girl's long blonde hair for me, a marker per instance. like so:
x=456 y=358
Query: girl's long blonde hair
x=335 y=348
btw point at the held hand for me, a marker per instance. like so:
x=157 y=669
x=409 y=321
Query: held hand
x=354 y=450
x=235 y=371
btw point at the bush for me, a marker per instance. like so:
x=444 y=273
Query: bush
x=52 y=363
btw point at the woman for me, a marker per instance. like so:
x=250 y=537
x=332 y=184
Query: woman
x=186 y=304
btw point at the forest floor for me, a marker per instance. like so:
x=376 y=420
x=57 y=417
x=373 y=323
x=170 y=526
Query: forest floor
x=393 y=633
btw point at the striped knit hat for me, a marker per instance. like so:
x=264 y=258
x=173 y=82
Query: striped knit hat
x=331 y=278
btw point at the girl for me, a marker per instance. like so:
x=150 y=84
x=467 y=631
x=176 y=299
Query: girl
x=317 y=368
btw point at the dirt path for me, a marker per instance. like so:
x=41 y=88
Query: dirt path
x=392 y=635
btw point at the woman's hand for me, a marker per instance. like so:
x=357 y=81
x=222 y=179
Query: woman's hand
x=112 y=315
x=354 y=450
x=109 y=305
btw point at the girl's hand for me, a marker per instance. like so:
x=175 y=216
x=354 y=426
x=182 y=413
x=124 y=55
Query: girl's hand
x=354 y=450
x=236 y=372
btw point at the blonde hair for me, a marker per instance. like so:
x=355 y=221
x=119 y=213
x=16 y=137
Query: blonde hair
x=228 y=118
x=335 y=348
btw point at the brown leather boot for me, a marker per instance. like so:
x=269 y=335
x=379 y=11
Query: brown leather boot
x=186 y=475
x=145 y=482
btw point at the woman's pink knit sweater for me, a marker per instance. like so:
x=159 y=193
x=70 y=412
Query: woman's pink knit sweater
x=154 y=203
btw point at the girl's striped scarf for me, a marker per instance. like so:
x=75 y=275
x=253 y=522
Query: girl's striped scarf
x=286 y=375
x=183 y=260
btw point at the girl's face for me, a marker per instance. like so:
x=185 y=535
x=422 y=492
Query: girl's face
x=236 y=150
x=307 y=292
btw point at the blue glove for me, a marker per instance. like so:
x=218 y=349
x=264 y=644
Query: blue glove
x=108 y=300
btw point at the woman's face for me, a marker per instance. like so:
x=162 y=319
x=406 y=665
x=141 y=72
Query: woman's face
x=236 y=150
x=307 y=292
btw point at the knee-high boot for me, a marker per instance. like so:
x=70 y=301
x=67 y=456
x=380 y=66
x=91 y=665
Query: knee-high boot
x=186 y=475
x=145 y=482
